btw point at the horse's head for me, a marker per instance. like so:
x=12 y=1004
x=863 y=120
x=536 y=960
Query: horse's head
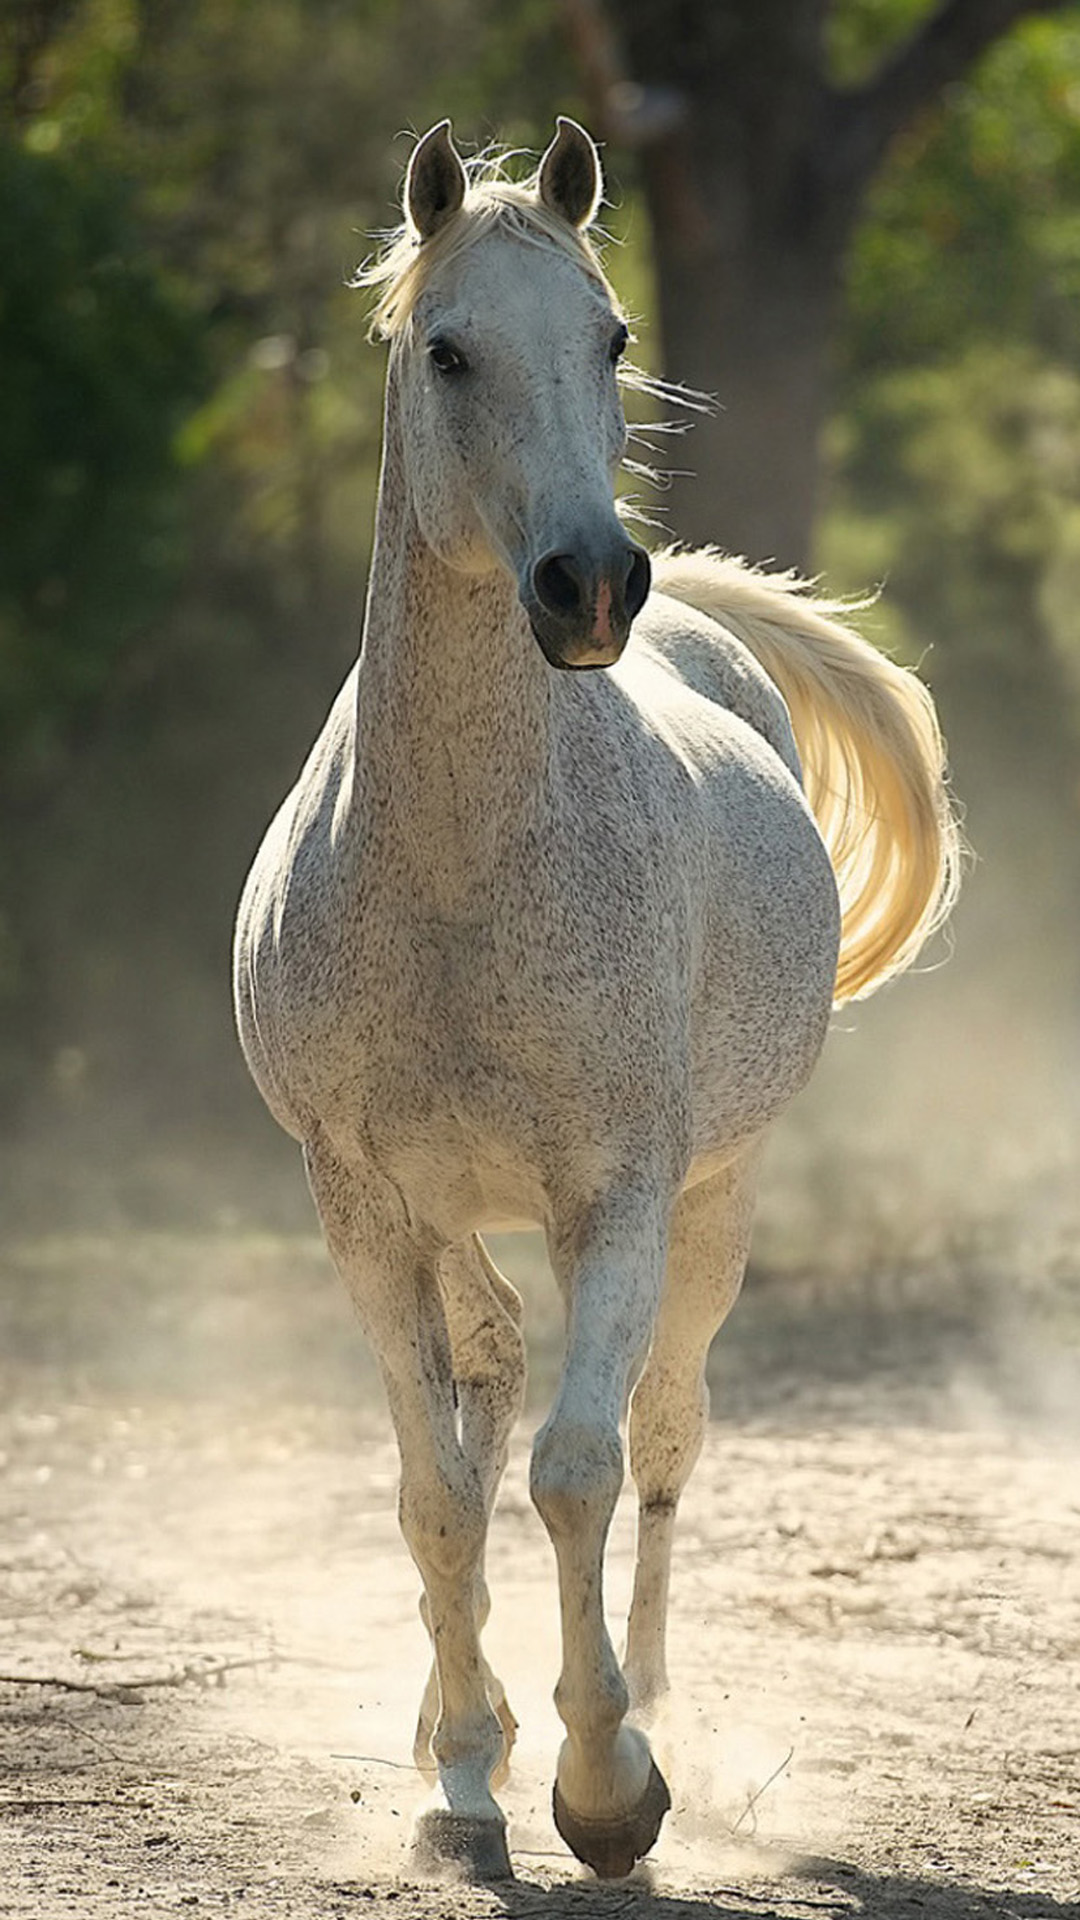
x=506 y=362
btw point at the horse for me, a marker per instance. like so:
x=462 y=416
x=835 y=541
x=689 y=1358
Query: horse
x=547 y=933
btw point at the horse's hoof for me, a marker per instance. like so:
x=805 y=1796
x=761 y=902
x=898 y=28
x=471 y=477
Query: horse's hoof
x=613 y=1847
x=476 y=1848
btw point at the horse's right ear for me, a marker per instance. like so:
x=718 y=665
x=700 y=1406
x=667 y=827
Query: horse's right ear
x=435 y=183
x=570 y=181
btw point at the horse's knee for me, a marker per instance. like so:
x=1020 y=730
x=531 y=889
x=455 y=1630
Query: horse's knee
x=575 y=1475
x=444 y=1524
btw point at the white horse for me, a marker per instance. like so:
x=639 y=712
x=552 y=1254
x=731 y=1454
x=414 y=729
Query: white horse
x=536 y=946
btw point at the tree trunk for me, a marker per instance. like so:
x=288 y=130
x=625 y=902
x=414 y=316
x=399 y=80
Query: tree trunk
x=755 y=332
x=750 y=221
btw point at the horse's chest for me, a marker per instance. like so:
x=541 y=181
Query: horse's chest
x=462 y=1058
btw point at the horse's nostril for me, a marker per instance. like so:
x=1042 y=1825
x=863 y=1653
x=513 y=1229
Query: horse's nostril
x=638 y=582
x=558 y=584
x=605 y=589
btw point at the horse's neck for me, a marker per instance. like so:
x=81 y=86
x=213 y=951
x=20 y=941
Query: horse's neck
x=454 y=708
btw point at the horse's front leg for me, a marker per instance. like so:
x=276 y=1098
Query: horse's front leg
x=442 y=1506
x=483 y=1315
x=707 y=1249
x=609 y=1797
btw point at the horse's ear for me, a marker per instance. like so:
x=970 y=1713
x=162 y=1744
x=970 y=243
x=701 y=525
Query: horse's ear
x=435 y=183
x=571 y=182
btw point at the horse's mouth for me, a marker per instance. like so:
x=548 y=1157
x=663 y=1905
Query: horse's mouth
x=583 y=653
x=584 y=662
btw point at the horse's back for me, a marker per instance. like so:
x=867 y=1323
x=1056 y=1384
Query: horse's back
x=705 y=657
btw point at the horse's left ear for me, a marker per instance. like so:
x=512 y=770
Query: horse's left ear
x=570 y=179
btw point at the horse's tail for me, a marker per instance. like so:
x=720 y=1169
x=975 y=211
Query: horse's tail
x=872 y=755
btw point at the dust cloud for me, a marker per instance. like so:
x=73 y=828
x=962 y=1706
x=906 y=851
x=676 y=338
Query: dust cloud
x=872 y=1622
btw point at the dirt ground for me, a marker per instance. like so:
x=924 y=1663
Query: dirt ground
x=211 y=1656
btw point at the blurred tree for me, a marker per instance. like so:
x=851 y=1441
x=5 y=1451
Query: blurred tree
x=955 y=452
x=99 y=359
x=761 y=126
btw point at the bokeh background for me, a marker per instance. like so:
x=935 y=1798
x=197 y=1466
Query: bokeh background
x=857 y=224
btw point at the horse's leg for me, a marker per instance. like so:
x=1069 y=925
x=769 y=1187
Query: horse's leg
x=442 y=1505
x=609 y=1797
x=483 y=1314
x=709 y=1239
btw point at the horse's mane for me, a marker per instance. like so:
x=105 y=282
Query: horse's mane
x=404 y=266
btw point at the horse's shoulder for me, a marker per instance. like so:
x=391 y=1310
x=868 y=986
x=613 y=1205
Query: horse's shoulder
x=291 y=872
x=705 y=657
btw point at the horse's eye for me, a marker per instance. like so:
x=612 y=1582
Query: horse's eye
x=619 y=341
x=445 y=357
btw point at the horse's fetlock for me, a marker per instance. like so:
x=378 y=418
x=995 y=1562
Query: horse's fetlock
x=471 y=1739
x=599 y=1715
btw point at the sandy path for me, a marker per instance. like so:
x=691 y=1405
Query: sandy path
x=876 y=1625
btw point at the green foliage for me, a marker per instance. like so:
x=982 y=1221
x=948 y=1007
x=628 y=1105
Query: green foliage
x=266 y=142
x=973 y=228
x=956 y=450
x=98 y=360
x=967 y=475
x=860 y=34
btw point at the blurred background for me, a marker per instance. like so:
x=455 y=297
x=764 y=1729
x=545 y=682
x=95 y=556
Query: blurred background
x=857 y=224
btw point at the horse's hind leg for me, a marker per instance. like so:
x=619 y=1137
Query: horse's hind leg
x=609 y=1797
x=442 y=1503
x=710 y=1236
x=483 y=1315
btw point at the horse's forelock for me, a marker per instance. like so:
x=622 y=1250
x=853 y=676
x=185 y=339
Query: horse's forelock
x=404 y=266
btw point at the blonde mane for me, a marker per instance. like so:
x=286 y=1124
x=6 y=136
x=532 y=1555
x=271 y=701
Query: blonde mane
x=405 y=266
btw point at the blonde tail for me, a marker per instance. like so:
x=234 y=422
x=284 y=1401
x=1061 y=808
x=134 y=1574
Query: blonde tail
x=872 y=754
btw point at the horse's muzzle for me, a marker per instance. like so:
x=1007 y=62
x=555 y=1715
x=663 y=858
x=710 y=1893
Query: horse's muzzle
x=581 y=608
